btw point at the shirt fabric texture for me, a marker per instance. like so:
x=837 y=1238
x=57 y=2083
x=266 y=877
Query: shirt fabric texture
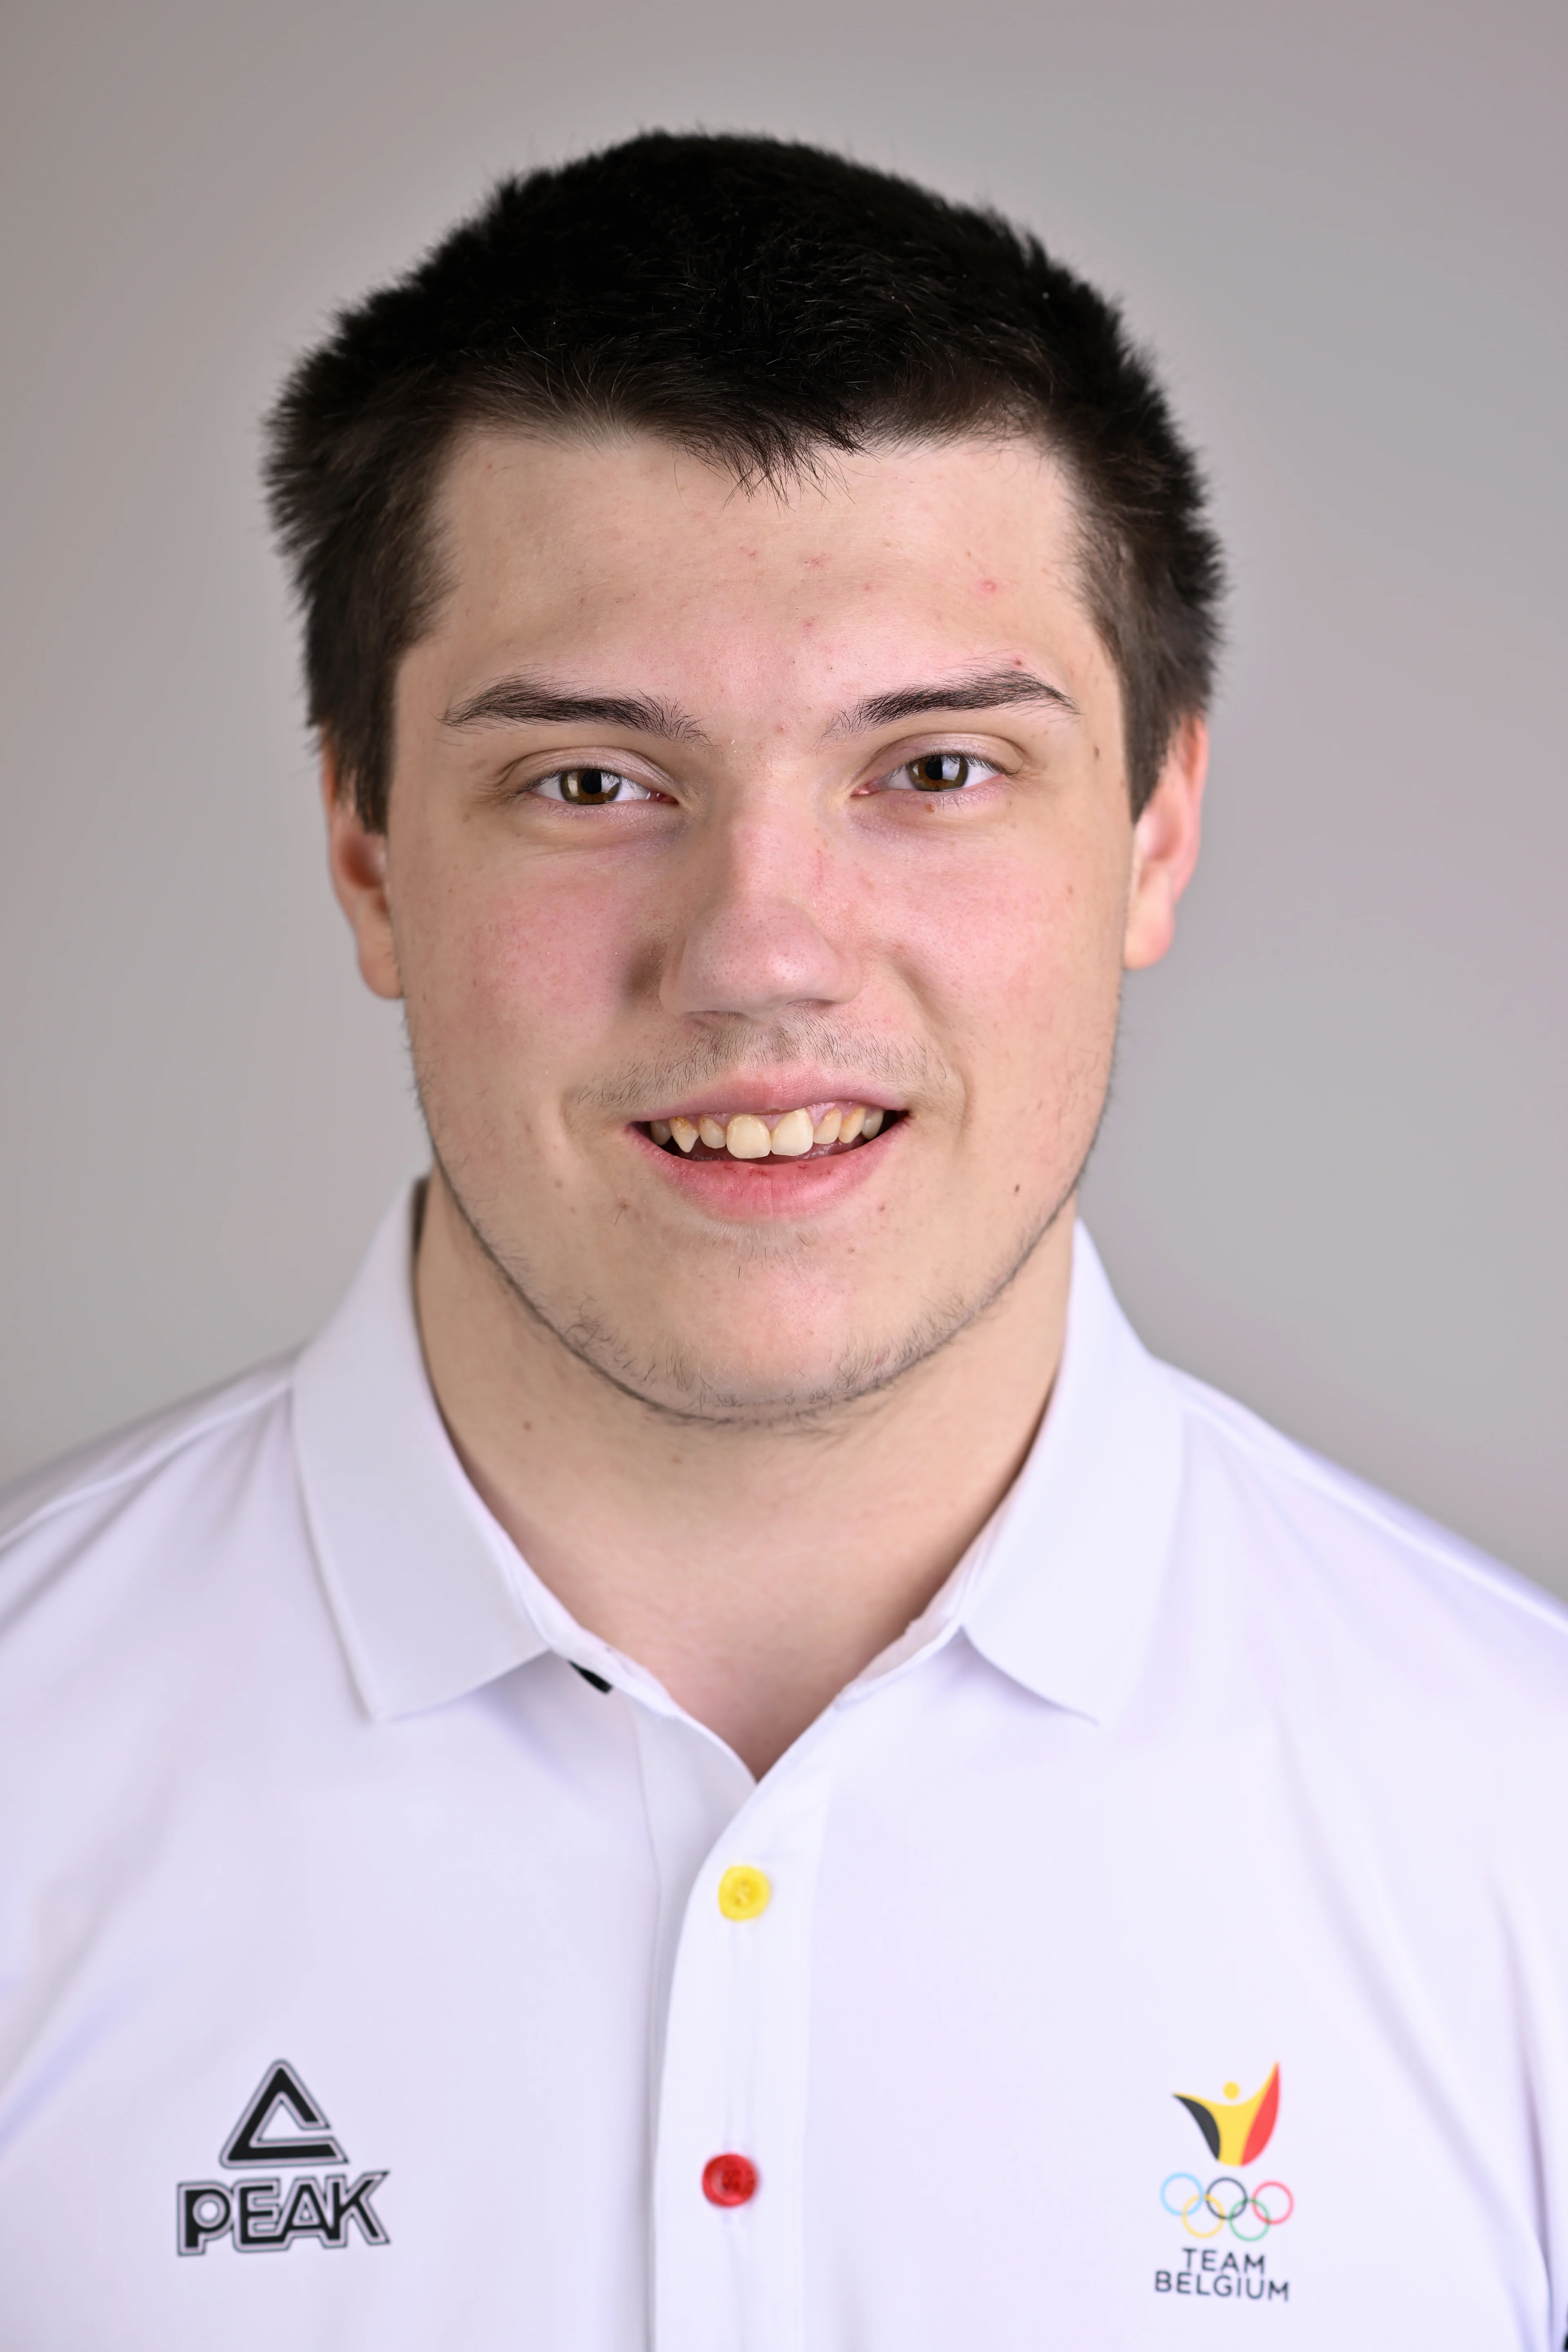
x=1164 y=1941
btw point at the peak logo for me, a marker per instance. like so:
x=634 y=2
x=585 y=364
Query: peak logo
x=281 y=2127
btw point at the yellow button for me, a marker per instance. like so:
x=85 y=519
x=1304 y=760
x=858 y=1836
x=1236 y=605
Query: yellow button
x=744 y=1893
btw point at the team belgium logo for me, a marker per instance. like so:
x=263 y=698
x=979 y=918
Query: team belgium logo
x=1235 y=2131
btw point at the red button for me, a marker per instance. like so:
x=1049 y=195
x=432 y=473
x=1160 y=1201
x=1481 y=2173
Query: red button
x=729 y=2180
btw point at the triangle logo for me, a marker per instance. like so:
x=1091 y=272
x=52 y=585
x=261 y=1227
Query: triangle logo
x=281 y=2089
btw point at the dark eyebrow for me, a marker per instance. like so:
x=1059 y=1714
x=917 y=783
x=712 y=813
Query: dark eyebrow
x=522 y=701
x=981 y=690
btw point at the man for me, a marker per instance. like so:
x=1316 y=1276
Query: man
x=723 y=1761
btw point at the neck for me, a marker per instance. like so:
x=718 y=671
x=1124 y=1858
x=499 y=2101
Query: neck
x=755 y=1571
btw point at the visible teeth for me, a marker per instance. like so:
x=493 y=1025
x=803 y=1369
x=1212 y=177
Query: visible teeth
x=792 y=1136
x=746 y=1137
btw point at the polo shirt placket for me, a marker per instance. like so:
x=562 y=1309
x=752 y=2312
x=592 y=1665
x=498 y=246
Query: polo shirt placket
x=728 y=2258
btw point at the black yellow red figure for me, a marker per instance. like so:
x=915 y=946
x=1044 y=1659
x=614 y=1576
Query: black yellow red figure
x=1236 y=2129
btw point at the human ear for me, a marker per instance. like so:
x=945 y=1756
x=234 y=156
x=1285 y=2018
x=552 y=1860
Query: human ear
x=1166 y=847
x=356 y=859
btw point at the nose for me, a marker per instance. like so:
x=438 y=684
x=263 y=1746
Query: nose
x=766 y=930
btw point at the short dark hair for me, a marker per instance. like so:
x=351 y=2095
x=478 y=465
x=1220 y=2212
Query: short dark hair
x=763 y=304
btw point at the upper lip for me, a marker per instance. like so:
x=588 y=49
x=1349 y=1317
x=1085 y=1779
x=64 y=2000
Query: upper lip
x=774 y=1095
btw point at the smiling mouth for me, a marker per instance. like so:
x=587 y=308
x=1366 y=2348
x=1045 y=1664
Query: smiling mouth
x=813 y=1132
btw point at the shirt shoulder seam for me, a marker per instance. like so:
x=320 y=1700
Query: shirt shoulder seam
x=1272 y=1449
x=93 y=1489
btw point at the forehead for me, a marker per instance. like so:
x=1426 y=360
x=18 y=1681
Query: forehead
x=634 y=550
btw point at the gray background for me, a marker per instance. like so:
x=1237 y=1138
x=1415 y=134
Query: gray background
x=1332 y=1181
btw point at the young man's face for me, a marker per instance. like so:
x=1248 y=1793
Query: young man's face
x=844 y=822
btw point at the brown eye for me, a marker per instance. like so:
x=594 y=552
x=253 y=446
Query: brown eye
x=588 y=787
x=940 y=771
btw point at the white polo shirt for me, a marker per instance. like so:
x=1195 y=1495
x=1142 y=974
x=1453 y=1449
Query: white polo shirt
x=1166 y=1942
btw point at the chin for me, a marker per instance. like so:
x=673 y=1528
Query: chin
x=720 y=1388
x=792 y=1383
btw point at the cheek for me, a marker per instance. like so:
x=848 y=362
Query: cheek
x=1019 y=957
x=520 y=969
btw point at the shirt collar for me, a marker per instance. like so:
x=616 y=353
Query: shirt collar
x=422 y=1579
x=433 y=1600
x=1067 y=1576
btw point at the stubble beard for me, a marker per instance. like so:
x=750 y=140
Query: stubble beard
x=672 y=1384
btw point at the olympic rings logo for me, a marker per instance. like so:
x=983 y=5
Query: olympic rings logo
x=1209 y=2210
